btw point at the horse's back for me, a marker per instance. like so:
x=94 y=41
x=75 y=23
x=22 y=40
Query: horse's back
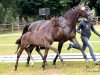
x=35 y=24
x=40 y=38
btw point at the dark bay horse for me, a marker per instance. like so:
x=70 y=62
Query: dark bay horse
x=41 y=36
x=68 y=32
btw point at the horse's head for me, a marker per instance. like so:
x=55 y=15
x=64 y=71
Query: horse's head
x=59 y=22
x=85 y=11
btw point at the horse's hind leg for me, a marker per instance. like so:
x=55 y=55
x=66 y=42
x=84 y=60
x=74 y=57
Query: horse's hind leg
x=29 y=50
x=56 y=51
x=18 y=55
x=17 y=48
x=45 y=56
x=30 y=57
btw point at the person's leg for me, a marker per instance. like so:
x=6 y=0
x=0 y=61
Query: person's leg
x=84 y=45
x=78 y=46
x=70 y=46
x=87 y=42
x=74 y=46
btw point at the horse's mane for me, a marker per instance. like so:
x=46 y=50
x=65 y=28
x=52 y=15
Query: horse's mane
x=71 y=10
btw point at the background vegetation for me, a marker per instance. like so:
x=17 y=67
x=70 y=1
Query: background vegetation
x=10 y=10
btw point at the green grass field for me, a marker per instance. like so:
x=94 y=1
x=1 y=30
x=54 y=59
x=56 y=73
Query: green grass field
x=71 y=68
x=11 y=40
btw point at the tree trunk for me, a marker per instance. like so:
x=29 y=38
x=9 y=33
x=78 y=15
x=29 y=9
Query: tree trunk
x=97 y=11
x=20 y=19
x=5 y=18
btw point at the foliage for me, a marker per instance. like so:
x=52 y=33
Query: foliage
x=7 y=14
x=30 y=8
x=1 y=14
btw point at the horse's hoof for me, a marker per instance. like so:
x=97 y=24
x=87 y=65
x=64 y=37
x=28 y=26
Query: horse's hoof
x=27 y=64
x=54 y=66
x=43 y=69
x=46 y=64
x=64 y=64
x=32 y=64
x=86 y=60
x=15 y=69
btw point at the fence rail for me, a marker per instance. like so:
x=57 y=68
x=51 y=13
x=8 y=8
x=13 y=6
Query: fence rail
x=16 y=26
x=10 y=27
x=37 y=58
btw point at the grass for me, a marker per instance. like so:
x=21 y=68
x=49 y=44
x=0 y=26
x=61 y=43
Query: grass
x=10 y=50
x=71 y=68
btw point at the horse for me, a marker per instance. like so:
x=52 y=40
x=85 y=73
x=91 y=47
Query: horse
x=41 y=36
x=68 y=32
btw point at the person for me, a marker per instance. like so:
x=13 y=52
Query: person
x=84 y=29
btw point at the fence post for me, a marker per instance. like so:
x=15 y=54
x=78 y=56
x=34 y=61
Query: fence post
x=4 y=27
x=12 y=27
x=97 y=21
x=18 y=26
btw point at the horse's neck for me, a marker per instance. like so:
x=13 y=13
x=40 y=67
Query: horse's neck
x=73 y=16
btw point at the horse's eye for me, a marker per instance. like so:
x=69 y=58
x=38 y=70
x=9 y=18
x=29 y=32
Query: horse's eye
x=86 y=9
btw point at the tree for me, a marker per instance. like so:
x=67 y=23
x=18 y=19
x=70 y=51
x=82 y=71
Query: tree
x=5 y=5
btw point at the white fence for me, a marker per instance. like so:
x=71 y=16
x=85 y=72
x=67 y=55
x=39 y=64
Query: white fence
x=37 y=58
x=10 y=27
x=16 y=26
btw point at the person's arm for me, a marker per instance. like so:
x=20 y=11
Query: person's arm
x=92 y=28
x=79 y=29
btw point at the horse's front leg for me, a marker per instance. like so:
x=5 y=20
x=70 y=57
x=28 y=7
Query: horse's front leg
x=78 y=46
x=38 y=50
x=56 y=51
x=44 y=59
x=60 y=44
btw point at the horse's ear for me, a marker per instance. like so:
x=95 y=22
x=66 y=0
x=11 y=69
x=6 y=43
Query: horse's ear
x=54 y=18
x=54 y=21
x=86 y=3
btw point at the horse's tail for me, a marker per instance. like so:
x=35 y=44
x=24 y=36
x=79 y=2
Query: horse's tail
x=18 y=41
x=17 y=48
